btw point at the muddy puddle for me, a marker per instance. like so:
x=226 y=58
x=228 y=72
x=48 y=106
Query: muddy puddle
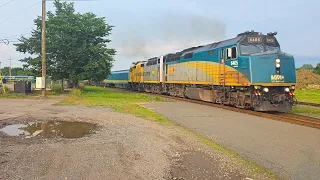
x=50 y=129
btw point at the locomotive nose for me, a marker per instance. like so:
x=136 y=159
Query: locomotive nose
x=272 y=68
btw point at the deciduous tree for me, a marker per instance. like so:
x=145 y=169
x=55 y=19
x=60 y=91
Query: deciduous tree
x=307 y=67
x=317 y=69
x=76 y=45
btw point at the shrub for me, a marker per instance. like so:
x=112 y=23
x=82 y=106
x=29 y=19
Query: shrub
x=57 y=88
x=86 y=82
x=81 y=86
x=8 y=90
x=75 y=92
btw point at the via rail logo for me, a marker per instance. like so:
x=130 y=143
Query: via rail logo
x=277 y=78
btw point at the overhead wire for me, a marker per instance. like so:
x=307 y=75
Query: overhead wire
x=20 y=12
x=6 y=3
x=14 y=36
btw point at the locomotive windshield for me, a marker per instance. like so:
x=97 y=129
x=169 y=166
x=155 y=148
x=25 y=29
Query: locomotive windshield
x=257 y=48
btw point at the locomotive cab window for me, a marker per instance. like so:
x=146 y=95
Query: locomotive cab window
x=232 y=53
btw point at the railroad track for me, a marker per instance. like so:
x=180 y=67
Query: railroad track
x=285 y=117
x=309 y=104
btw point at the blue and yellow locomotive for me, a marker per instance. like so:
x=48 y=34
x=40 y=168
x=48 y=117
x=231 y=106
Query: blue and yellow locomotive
x=249 y=71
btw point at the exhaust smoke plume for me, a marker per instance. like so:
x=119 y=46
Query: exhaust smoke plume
x=169 y=34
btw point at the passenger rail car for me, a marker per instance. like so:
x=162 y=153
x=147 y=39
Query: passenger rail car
x=249 y=71
x=118 y=79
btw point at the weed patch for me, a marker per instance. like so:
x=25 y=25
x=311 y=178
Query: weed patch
x=125 y=102
x=306 y=110
x=312 y=96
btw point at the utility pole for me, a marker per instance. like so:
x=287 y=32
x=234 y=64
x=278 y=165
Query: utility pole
x=44 y=46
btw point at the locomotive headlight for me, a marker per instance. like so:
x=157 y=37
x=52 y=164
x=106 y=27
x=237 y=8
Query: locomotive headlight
x=266 y=89
x=277 y=65
x=287 y=89
x=278 y=61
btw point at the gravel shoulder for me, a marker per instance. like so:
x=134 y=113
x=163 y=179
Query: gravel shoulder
x=123 y=147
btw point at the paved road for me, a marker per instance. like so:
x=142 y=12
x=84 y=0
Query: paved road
x=288 y=150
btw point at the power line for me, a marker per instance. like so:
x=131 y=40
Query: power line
x=20 y=12
x=14 y=36
x=10 y=39
x=5 y=41
x=6 y=3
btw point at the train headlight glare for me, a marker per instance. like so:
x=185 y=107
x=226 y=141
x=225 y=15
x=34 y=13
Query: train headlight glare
x=277 y=60
x=277 y=65
x=266 y=89
x=287 y=89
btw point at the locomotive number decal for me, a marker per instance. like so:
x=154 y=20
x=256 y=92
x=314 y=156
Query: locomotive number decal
x=143 y=74
x=270 y=40
x=254 y=39
x=277 y=78
x=234 y=63
x=146 y=73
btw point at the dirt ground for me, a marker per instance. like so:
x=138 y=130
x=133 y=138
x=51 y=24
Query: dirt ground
x=123 y=147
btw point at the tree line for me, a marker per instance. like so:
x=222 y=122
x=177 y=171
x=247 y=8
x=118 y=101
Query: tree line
x=310 y=67
x=15 y=71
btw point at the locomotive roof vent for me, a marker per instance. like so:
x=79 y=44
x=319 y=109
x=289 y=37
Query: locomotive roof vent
x=272 y=33
x=252 y=32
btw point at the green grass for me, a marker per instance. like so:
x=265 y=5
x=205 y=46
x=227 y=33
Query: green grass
x=34 y=95
x=127 y=102
x=306 y=110
x=312 y=96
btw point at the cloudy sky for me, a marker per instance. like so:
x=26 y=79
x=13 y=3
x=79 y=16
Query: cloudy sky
x=147 y=28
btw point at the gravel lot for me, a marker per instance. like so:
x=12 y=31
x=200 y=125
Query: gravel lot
x=123 y=147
